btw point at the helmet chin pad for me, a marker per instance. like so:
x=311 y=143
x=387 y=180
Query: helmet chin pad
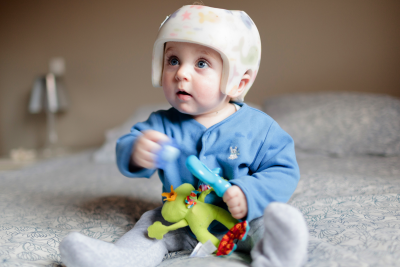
x=231 y=33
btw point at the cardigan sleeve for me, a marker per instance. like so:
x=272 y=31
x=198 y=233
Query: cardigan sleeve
x=125 y=144
x=274 y=173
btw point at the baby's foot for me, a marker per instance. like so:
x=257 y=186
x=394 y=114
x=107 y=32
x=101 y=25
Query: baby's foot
x=78 y=250
x=285 y=238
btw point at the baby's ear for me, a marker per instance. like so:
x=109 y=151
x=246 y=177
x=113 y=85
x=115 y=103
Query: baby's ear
x=237 y=91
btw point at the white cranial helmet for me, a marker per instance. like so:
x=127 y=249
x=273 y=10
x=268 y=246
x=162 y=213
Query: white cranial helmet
x=231 y=33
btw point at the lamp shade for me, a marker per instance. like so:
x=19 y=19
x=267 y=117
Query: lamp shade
x=47 y=94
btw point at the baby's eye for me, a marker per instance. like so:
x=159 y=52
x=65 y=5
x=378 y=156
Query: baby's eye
x=202 y=64
x=173 y=62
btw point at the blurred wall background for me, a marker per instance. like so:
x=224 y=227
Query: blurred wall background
x=310 y=45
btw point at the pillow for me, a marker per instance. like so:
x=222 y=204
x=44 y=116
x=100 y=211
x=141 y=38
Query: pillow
x=339 y=123
x=107 y=151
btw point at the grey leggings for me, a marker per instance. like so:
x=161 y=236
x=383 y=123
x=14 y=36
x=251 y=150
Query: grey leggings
x=154 y=250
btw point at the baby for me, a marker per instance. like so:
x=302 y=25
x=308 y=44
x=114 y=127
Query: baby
x=206 y=59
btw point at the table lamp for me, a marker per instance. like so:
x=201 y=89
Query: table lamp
x=48 y=95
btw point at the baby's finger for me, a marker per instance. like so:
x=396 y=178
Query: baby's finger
x=145 y=155
x=141 y=155
x=144 y=164
x=149 y=145
x=155 y=136
x=233 y=202
x=143 y=158
x=235 y=209
x=237 y=212
x=229 y=194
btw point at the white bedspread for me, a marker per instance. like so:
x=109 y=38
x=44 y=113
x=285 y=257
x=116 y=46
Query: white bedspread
x=352 y=206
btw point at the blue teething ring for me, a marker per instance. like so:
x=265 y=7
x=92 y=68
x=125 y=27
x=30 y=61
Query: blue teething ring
x=203 y=173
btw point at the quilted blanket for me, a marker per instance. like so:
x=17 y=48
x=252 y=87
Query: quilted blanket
x=351 y=205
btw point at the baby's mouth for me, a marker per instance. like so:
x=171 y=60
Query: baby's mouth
x=183 y=93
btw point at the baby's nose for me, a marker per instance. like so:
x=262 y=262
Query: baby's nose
x=183 y=73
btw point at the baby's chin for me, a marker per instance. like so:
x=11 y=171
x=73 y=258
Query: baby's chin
x=189 y=110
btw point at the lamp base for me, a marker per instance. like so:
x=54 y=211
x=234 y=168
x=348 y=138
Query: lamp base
x=53 y=152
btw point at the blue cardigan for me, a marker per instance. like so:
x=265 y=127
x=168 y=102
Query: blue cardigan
x=251 y=149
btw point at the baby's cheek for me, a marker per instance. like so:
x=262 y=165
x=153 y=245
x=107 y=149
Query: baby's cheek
x=210 y=92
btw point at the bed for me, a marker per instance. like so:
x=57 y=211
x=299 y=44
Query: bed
x=348 y=149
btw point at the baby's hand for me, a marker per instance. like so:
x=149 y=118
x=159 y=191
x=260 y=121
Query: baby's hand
x=145 y=147
x=236 y=202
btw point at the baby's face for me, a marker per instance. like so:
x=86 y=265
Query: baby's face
x=191 y=78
